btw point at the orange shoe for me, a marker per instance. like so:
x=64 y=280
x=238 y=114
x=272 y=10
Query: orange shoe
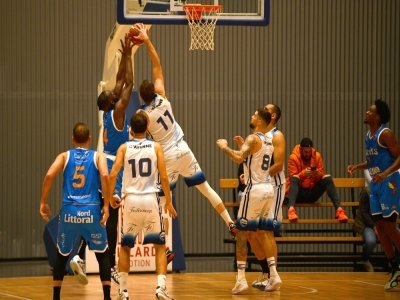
x=341 y=215
x=292 y=215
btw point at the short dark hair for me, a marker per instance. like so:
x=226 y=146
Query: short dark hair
x=277 y=111
x=264 y=115
x=102 y=100
x=81 y=133
x=382 y=110
x=147 y=91
x=306 y=142
x=139 y=122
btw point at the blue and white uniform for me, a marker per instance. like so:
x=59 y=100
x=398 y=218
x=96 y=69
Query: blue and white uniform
x=384 y=196
x=179 y=159
x=80 y=213
x=141 y=184
x=274 y=218
x=258 y=196
x=112 y=139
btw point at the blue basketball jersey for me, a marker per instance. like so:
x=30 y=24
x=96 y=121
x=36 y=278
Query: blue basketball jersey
x=81 y=178
x=378 y=157
x=113 y=137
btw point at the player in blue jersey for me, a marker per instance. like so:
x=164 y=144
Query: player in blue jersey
x=382 y=150
x=81 y=214
x=144 y=172
x=164 y=129
x=115 y=133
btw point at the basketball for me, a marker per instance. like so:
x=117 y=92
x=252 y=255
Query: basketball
x=134 y=33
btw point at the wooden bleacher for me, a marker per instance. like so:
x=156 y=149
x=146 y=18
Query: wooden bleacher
x=338 y=238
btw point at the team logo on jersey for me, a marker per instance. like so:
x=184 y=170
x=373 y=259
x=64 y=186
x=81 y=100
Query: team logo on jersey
x=81 y=157
x=393 y=187
x=243 y=222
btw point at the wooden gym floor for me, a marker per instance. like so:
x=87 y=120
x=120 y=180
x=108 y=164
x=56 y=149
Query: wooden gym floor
x=296 y=285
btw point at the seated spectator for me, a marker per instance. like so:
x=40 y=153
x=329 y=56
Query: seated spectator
x=307 y=181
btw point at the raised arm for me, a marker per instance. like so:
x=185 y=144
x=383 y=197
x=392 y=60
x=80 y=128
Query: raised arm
x=120 y=78
x=123 y=101
x=162 y=171
x=279 y=143
x=56 y=167
x=158 y=78
x=251 y=145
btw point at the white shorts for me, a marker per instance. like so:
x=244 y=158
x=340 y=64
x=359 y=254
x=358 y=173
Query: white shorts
x=180 y=160
x=142 y=213
x=273 y=219
x=255 y=205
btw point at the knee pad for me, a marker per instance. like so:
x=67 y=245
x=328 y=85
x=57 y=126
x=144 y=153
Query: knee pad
x=209 y=193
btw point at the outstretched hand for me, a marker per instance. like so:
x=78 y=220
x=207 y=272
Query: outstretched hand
x=126 y=45
x=143 y=34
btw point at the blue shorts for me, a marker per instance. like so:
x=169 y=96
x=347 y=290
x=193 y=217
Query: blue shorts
x=385 y=196
x=118 y=184
x=81 y=221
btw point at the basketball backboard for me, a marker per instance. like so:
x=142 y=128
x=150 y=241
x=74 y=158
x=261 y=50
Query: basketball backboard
x=235 y=12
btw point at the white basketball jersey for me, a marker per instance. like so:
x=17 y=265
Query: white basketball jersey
x=279 y=178
x=140 y=168
x=257 y=164
x=163 y=127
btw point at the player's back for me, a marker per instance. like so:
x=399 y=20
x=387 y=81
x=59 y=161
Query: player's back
x=257 y=164
x=112 y=136
x=81 y=178
x=163 y=127
x=378 y=157
x=140 y=168
x=279 y=177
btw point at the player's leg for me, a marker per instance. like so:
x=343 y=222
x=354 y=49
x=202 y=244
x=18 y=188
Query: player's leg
x=67 y=234
x=105 y=272
x=155 y=234
x=78 y=265
x=241 y=257
x=58 y=274
x=131 y=225
x=95 y=235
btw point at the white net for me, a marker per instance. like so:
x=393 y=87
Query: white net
x=202 y=20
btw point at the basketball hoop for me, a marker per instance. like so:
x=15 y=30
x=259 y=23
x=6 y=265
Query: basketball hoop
x=202 y=20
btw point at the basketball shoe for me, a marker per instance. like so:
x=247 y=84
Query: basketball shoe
x=341 y=215
x=240 y=286
x=261 y=282
x=394 y=280
x=161 y=293
x=274 y=284
x=115 y=275
x=123 y=295
x=292 y=215
x=77 y=266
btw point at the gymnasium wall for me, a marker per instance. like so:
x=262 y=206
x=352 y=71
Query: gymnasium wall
x=323 y=62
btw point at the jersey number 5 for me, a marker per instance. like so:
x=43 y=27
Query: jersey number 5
x=79 y=177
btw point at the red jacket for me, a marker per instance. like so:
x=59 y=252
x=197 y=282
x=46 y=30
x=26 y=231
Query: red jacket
x=296 y=166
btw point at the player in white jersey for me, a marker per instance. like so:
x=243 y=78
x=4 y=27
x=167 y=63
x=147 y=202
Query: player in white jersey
x=144 y=170
x=164 y=129
x=276 y=171
x=257 y=200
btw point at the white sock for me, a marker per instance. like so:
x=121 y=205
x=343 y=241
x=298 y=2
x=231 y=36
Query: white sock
x=161 y=280
x=226 y=217
x=241 y=268
x=123 y=281
x=272 y=266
